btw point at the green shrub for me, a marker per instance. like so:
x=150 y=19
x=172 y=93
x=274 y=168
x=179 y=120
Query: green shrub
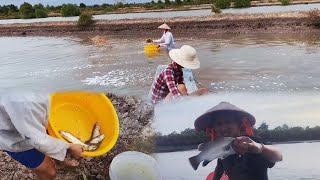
x=41 y=13
x=215 y=9
x=26 y=11
x=68 y=10
x=242 y=3
x=222 y=4
x=109 y=9
x=285 y=2
x=85 y=19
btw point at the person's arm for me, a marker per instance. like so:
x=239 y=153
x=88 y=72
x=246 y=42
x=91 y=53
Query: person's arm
x=161 y=40
x=169 y=78
x=244 y=145
x=29 y=118
x=167 y=40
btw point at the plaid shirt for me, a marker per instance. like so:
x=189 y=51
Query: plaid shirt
x=167 y=82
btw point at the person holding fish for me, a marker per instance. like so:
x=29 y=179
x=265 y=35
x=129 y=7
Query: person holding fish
x=169 y=84
x=23 y=124
x=241 y=156
x=166 y=40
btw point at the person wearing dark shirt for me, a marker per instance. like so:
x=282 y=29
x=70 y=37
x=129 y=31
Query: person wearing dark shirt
x=253 y=157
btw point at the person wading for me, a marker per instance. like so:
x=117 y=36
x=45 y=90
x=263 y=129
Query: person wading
x=169 y=85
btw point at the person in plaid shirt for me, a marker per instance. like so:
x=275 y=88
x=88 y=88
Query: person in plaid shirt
x=169 y=84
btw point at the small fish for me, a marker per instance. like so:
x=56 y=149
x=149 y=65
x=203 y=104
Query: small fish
x=72 y=139
x=69 y=137
x=97 y=139
x=90 y=147
x=221 y=147
x=95 y=131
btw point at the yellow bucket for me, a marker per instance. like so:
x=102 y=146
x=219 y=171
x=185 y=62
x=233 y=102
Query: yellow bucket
x=151 y=51
x=77 y=111
x=151 y=47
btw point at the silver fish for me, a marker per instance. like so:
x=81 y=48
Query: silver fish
x=219 y=148
x=72 y=139
x=97 y=139
x=95 y=131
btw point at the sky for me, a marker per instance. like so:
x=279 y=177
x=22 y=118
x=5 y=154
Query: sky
x=59 y=2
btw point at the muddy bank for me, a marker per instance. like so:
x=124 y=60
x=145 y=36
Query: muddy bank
x=297 y=22
x=135 y=134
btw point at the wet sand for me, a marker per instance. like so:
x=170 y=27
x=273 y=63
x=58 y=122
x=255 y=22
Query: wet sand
x=293 y=22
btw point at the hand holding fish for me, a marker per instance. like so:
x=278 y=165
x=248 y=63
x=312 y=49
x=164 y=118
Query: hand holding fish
x=76 y=150
x=244 y=145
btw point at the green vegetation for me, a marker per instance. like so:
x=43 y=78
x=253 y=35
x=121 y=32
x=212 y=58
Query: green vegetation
x=285 y=2
x=222 y=4
x=9 y=10
x=40 y=11
x=68 y=10
x=242 y=3
x=283 y=133
x=27 y=11
x=85 y=19
x=215 y=9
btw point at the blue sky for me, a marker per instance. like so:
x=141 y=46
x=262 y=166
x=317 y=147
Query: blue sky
x=59 y=2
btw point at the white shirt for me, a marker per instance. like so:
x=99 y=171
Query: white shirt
x=166 y=40
x=23 y=123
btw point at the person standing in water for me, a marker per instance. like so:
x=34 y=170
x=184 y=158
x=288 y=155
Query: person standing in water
x=167 y=40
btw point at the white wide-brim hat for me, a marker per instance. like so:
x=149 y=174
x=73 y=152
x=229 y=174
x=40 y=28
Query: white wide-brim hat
x=164 y=26
x=186 y=57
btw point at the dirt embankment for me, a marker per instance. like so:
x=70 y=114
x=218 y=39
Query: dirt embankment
x=135 y=134
x=299 y=22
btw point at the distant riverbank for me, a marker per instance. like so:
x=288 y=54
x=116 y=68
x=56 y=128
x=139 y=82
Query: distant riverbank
x=138 y=9
x=296 y=22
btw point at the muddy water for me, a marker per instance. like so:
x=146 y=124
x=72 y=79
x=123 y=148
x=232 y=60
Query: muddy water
x=245 y=63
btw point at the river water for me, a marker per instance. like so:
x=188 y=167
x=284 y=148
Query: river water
x=171 y=14
x=260 y=63
x=300 y=162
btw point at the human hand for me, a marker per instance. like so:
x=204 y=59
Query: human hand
x=149 y=40
x=76 y=150
x=244 y=145
x=158 y=46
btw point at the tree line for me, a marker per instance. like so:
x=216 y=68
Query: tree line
x=279 y=134
x=27 y=11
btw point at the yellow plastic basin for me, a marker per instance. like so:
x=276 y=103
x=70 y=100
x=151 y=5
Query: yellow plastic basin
x=152 y=54
x=77 y=112
x=151 y=47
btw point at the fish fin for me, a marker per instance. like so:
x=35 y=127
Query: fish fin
x=194 y=161
x=205 y=163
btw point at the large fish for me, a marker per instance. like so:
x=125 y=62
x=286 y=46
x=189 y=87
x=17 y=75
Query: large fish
x=219 y=148
x=69 y=137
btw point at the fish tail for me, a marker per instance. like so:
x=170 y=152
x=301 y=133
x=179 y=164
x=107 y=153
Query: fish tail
x=205 y=163
x=194 y=161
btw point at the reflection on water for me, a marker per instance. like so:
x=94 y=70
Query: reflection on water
x=300 y=162
x=171 y=14
x=229 y=63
